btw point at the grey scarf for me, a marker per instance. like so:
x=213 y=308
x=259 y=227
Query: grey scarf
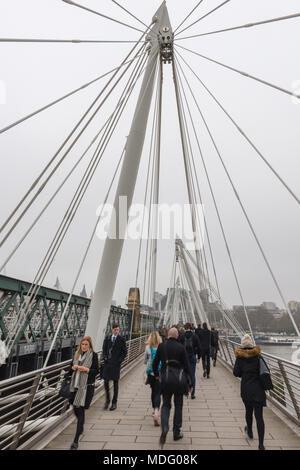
x=79 y=399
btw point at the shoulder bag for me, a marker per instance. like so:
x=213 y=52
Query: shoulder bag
x=264 y=375
x=173 y=378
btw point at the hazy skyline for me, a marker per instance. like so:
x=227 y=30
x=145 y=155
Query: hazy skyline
x=35 y=74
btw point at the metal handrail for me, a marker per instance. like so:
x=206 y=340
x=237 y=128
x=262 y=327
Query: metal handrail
x=286 y=393
x=40 y=402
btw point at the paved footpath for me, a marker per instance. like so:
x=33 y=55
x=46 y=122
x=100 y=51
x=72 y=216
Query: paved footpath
x=214 y=420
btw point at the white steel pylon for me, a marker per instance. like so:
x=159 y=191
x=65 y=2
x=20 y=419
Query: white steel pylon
x=106 y=280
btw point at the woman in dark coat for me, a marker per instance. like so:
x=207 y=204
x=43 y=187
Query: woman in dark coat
x=114 y=352
x=84 y=369
x=253 y=395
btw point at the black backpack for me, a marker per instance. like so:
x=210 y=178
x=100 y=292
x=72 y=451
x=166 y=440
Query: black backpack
x=188 y=344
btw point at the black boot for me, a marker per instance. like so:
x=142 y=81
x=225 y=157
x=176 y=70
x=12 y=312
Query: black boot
x=249 y=432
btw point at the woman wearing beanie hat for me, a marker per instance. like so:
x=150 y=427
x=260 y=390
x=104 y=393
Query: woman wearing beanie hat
x=253 y=395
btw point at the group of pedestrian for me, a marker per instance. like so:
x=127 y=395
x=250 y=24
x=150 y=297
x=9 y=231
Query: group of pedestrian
x=179 y=348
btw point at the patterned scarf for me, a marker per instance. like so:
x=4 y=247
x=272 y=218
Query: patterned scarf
x=79 y=399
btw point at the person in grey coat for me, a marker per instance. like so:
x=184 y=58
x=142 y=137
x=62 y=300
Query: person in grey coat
x=83 y=371
x=114 y=352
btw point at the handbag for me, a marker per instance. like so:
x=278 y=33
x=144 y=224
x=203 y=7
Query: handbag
x=173 y=378
x=264 y=375
x=64 y=391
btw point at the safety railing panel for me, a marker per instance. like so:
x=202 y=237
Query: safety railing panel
x=30 y=402
x=285 y=377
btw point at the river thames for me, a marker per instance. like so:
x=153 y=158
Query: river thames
x=286 y=352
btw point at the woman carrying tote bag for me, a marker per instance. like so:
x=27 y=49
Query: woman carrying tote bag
x=84 y=369
x=252 y=392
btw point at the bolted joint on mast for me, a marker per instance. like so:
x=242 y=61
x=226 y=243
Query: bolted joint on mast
x=166 y=40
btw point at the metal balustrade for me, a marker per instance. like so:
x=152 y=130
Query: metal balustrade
x=30 y=403
x=285 y=377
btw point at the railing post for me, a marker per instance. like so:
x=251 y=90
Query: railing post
x=25 y=413
x=229 y=354
x=290 y=390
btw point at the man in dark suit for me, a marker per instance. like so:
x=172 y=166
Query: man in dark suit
x=114 y=352
x=207 y=341
x=171 y=350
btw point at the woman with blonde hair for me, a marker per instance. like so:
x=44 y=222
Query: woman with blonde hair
x=151 y=347
x=84 y=369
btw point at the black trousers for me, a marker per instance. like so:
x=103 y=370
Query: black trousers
x=165 y=412
x=79 y=413
x=116 y=391
x=155 y=391
x=206 y=360
x=258 y=413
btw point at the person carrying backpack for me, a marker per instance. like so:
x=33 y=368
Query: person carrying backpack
x=192 y=346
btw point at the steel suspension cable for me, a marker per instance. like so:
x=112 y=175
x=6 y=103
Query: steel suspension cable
x=192 y=11
x=220 y=221
x=62 y=98
x=245 y=74
x=72 y=207
x=248 y=25
x=202 y=17
x=241 y=131
x=71 y=41
x=61 y=185
x=193 y=190
x=129 y=13
x=70 y=2
x=247 y=218
x=64 y=143
x=201 y=201
x=82 y=263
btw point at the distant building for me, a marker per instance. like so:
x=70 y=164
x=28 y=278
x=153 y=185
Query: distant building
x=294 y=306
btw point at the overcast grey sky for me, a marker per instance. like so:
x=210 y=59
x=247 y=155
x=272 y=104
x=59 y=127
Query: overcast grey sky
x=35 y=74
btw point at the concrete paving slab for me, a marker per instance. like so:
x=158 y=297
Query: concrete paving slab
x=215 y=420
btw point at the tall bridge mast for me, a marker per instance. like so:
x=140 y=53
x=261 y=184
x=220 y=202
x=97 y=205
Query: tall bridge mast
x=161 y=46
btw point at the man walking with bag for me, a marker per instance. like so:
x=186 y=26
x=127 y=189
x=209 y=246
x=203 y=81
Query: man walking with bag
x=172 y=354
x=192 y=346
x=207 y=342
x=114 y=352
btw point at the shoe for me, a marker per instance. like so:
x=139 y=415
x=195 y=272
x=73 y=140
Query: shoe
x=214 y=363
x=178 y=436
x=113 y=407
x=155 y=418
x=162 y=438
x=193 y=397
x=261 y=447
x=204 y=373
x=74 y=446
x=106 y=405
x=207 y=377
x=249 y=432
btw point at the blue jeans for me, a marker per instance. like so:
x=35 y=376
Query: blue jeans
x=193 y=362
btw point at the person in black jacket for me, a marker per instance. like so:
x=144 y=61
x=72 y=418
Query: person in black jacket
x=114 y=352
x=253 y=395
x=171 y=350
x=206 y=338
x=192 y=346
x=215 y=348
x=83 y=371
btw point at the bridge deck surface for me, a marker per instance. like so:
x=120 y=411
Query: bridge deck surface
x=214 y=420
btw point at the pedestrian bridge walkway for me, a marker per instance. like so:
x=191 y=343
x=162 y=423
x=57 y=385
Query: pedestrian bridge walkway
x=214 y=420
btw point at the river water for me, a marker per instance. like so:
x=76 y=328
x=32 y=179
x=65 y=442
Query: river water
x=286 y=352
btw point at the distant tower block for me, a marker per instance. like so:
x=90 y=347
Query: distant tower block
x=134 y=305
